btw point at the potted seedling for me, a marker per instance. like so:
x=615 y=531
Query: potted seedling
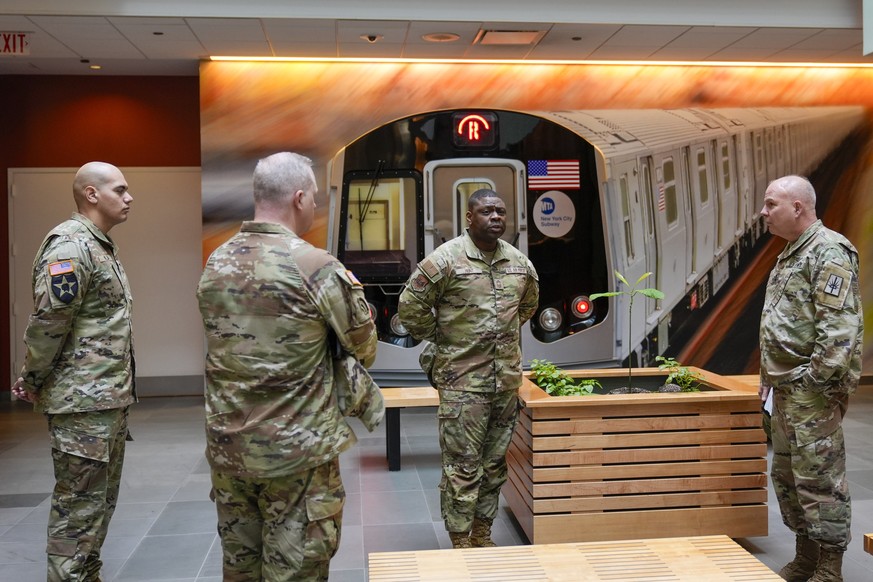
x=631 y=291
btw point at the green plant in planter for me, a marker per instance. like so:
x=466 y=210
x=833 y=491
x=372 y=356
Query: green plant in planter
x=557 y=382
x=687 y=379
x=631 y=292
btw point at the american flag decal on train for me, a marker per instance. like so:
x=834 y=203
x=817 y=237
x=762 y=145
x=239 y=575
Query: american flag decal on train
x=552 y=174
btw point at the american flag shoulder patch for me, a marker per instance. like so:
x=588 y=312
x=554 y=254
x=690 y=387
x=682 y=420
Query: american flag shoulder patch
x=61 y=267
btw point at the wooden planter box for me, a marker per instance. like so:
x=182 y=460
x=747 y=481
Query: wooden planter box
x=613 y=467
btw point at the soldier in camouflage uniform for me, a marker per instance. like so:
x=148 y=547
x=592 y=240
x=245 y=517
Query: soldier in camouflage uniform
x=274 y=429
x=78 y=368
x=811 y=331
x=470 y=298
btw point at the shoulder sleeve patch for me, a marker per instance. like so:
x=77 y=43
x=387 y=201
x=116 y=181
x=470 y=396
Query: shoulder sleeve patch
x=349 y=278
x=430 y=269
x=61 y=267
x=833 y=286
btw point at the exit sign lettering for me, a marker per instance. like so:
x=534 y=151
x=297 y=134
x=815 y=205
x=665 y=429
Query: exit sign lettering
x=14 y=43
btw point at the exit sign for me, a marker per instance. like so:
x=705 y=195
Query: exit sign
x=14 y=43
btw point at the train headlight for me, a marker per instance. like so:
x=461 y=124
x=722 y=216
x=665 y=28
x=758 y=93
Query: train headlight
x=373 y=311
x=397 y=328
x=582 y=307
x=550 y=319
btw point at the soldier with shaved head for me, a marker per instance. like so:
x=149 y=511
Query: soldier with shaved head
x=78 y=368
x=811 y=332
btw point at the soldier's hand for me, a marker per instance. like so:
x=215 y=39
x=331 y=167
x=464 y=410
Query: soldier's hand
x=20 y=392
x=764 y=392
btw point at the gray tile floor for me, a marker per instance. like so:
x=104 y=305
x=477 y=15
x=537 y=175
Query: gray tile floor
x=164 y=529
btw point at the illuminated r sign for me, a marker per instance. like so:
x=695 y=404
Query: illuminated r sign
x=473 y=130
x=472 y=123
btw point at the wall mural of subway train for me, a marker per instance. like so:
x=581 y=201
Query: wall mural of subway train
x=672 y=192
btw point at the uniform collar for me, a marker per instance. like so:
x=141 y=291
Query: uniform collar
x=92 y=228
x=475 y=252
x=265 y=227
x=804 y=238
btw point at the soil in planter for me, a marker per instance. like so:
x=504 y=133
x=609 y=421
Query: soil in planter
x=641 y=385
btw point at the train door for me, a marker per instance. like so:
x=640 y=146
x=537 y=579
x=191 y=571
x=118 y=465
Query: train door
x=448 y=185
x=632 y=253
x=728 y=209
x=759 y=166
x=670 y=229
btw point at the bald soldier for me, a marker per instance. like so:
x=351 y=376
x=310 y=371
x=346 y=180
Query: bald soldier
x=470 y=298
x=78 y=368
x=811 y=332
x=274 y=308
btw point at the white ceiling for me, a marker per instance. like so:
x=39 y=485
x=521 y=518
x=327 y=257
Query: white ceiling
x=132 y=38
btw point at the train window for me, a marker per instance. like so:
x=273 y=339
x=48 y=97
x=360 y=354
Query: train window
x=464 y=188
x=725 y=167
x=670 y=202
x=759 y=153
x=702 y=177
x=380 y=227
x=626 y=217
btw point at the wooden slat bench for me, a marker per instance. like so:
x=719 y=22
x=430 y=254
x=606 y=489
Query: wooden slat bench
x=868 y=543
x=395 y=399
x=686 y=559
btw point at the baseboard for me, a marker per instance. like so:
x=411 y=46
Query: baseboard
x=151 y=386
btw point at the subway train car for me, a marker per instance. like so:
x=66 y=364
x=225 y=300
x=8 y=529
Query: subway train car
x=671 y=192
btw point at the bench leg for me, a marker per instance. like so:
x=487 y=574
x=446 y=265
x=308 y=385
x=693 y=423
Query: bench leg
x=392 y=438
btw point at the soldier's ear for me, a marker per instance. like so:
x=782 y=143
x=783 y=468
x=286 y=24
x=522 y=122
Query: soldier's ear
x=297 y=200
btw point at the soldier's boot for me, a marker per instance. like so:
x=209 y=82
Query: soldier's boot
x=829 y=568
x=460 y=539
x=805 y=560
x=481 y=536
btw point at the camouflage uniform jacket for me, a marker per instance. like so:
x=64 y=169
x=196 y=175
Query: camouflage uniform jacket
x=472 y=312
x=268 y=300
x=812 y=323
x=79 y=345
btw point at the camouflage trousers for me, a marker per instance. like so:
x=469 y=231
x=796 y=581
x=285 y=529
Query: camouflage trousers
x=809 y=467
x=88 y=454
x=279 y=529
x=475 y=429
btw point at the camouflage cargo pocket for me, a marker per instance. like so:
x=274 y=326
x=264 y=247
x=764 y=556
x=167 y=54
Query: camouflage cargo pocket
x=80 y=444
x=324 y=512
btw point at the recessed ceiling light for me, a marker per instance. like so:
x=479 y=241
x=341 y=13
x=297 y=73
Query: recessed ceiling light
x=95 y=67
x=158 y=33
x=371 y=38
x=440 y=37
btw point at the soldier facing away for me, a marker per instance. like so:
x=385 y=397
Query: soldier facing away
x=811 y=332
x=470 y=298
x=78 y=368
x=274 y=429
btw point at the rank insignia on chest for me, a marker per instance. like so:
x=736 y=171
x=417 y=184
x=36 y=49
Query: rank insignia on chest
x=65 y=286
x=498 y=284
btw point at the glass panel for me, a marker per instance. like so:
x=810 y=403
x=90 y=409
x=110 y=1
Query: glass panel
x=702 y=181
x=671 y=203
x=380 y=228
x=725 y=167
x=625 y=212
